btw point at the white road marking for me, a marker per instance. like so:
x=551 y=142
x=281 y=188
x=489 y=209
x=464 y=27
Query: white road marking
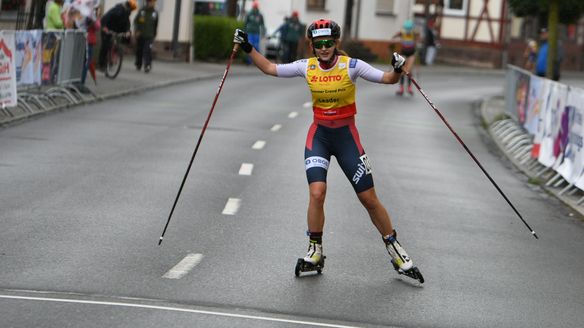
x=175 y=309
x=245 y=169
x=184 y=266
x=307 y=104
x=276 y=127
x=232 y=206
x=292 y=114
x=258 y=144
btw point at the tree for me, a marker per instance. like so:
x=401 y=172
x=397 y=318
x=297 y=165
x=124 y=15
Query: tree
x=569 y=10
x=552 y=12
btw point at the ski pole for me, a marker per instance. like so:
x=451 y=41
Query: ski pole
x=233 y=52
x=469 y=152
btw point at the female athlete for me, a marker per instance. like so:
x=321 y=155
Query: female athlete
x=331 y=77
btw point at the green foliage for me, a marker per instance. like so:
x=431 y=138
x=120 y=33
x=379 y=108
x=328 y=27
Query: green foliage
x=356 y=49
x=570 y=10
x=213 y=36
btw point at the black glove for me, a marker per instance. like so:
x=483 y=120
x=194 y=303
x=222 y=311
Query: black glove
x=240 y=37
x=397 y=61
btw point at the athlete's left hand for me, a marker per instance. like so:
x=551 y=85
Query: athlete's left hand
x=397 y=61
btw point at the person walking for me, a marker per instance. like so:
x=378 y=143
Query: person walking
x=294 y=32
x=408 y=39
x=254 y=25
x=145 y=28
x=116 y=20
x=430 y=41
x=331 y=77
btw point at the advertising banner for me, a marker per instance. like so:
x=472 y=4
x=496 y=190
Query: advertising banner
x=28 y=57
x=539 y=93
x=50 y=59
x=573 y=162
x=551 y=150
x=8 y=95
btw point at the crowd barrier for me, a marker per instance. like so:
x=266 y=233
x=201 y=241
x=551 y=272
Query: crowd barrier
x=545 y=130
x=39 y=70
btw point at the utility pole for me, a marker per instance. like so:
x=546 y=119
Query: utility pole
x=177 y=5
x=348 y=19
x=552 y=37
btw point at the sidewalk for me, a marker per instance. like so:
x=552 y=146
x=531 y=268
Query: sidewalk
x=129 y=80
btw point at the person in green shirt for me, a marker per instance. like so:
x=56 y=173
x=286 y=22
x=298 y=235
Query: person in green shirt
x=254 y=26
x=53 y=19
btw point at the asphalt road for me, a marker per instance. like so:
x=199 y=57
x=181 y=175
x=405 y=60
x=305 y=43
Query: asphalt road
x=85 y=193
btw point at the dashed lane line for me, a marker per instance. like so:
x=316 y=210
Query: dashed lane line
x=259 y=145
x=292 y=114
x=276 y=127
x=245 y=169
x=232 y=206
x=184 y=266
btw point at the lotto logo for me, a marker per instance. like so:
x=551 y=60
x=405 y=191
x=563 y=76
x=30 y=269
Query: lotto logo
x=326 y=78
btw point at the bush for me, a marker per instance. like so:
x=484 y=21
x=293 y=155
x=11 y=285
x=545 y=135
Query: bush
x=356 y=49
x=213 y=36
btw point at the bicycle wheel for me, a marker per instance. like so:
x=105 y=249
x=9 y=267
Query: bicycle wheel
x=114 y=61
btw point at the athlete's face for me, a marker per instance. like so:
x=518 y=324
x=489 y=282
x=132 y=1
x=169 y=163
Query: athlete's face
x=324 y=47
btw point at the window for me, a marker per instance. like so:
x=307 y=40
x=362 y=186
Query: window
x=384 y=7
x=315 y=4
x=455 y=7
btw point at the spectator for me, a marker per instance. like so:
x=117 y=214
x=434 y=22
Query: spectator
x=283 y=29
x=145 y=27
x=430 y=41
x=294 y=32
x=53 y=19
x=254 y=26
x=530 y=55
x=541 y=62
x=89 y=22
x=116 y=20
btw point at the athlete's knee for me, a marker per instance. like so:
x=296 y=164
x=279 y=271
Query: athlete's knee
x=369 y=199
x=317 y=192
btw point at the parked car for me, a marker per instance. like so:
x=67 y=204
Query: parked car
x=274 y=47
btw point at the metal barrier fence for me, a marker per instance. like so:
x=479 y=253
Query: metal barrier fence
x=545 y=131
x=48 y=65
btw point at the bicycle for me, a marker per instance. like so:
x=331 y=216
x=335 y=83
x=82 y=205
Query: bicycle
x=115 y=56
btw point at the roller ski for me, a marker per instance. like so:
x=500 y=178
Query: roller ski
x=313 y=261
x=400 y=260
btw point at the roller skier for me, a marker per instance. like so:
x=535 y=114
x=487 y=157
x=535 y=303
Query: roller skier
x=331 y=76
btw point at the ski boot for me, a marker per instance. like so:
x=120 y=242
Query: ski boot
x=400 y=260
x=410 y=90
x=313 y=261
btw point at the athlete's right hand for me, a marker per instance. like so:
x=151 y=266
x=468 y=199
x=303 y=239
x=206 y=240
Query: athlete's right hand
x=397 y=61
x=240 y=37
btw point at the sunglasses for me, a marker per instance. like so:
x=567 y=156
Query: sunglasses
x=326 y=43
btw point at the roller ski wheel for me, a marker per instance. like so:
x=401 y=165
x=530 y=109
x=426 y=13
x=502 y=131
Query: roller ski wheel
x=413 y=273
x=303 y=266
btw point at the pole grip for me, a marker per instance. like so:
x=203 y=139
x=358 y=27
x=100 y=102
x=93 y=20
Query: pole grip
x=235 y=47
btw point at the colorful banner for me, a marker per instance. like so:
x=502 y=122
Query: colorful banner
x=8 y=95
x=539 y=93
x=550 y=150
x=50 y=61
x=28 y=57
x=572 y=165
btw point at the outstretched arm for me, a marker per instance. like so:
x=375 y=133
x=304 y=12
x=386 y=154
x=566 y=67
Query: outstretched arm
x=257 y=58
x=397 y=62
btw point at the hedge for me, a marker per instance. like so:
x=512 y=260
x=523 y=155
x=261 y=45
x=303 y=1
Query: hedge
x=213 y=36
